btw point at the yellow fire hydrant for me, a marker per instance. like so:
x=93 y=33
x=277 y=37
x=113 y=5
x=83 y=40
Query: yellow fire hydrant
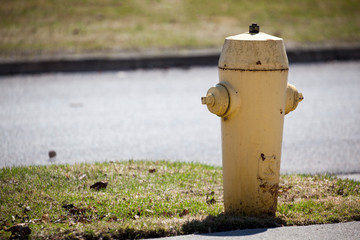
x=251 y=98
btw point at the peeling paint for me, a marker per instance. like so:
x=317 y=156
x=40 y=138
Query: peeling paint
x=268 y=193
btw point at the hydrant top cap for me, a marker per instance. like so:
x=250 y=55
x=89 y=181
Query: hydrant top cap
x=247 y=51
x=254 y=37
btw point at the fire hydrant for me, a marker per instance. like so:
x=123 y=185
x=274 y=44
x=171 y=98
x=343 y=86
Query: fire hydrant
x=251 y=98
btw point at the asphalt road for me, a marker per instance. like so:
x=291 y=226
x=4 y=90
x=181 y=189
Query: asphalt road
x=349 y=230
x=157 y=114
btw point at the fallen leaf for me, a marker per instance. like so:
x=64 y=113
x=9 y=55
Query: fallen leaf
x=76 y=211
x=68 y=206
x=99 y=185
x=184 y=212
x=212 y=193
x=210 y=201
x=167 y=214
x=210 y=198
x=113 y=219
x=20 y=230
x=45 y=218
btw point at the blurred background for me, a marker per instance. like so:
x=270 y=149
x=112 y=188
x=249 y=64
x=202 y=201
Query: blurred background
x=51 y=28
x=157 y=114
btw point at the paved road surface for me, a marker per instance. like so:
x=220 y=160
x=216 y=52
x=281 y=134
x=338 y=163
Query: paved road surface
x=337 y=231
x=157 y=114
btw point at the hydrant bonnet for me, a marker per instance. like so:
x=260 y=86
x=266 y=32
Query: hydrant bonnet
x=248 y=51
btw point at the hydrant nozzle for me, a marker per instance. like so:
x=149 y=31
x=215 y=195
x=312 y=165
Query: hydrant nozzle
x=293 y=97
x=217 y=100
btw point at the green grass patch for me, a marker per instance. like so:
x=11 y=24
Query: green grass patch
x=35 y=27
x=154 y=199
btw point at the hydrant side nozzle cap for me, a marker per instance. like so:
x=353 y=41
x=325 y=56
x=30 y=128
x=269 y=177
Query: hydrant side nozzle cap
x=293 y=97
x=217 y=100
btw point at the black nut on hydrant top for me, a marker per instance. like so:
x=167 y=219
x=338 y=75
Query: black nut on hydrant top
x=254 y=28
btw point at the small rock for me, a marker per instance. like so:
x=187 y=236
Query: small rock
x=99 y=185
x=52 y=154
x=27 y=209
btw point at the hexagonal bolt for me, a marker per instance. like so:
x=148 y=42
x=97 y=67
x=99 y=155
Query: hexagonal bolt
x=254 y=28
x=203 y=100
x=208 y=100
x=301 y=97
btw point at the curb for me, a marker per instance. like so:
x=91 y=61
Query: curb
x=182 y=59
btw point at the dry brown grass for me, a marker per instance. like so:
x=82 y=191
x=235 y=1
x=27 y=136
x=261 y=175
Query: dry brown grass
x=153 y=199
x=38 y=27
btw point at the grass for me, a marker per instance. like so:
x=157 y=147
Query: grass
x=154 y=199
x=36 y=27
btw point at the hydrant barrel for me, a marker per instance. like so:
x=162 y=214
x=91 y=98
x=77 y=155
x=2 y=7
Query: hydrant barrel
x=253 y=67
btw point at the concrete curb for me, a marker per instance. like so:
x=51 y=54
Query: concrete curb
x=183 y=59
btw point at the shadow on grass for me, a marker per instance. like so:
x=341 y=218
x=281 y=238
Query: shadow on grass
x=219 y=226
x=224 y=223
